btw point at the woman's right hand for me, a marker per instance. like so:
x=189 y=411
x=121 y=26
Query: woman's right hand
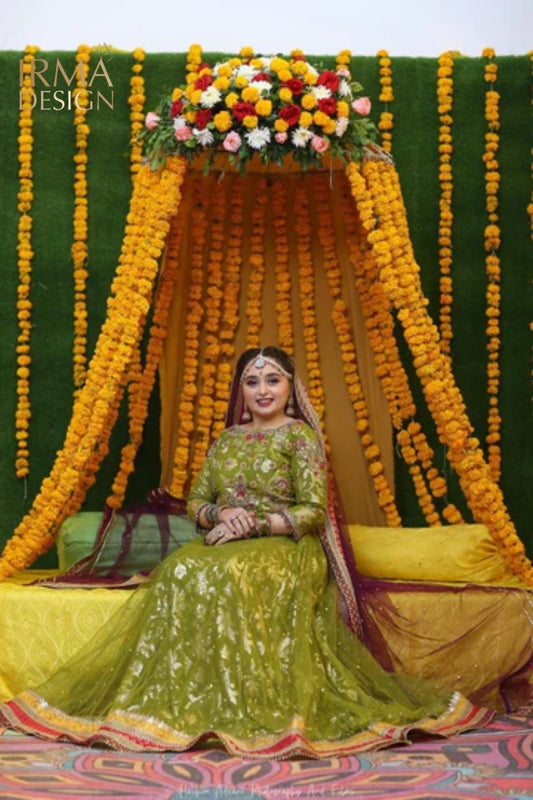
x=221 y=534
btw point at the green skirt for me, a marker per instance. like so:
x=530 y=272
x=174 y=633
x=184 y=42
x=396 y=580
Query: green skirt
x=242 y=642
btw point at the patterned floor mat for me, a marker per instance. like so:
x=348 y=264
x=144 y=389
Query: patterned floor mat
x=496 y=762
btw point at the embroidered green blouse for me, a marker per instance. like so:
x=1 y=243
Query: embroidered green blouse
x=272 y=470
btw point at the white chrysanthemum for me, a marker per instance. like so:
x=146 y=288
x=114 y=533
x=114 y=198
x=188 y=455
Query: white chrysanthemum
x=301 y=136
x=263 y=87
x=179 y=122
x=203 y=137
x=344 y=89
x=267 y=60
x=340 y=126
x=247 y=71
x=321 y=92
x=258 y=138
x=210 y=97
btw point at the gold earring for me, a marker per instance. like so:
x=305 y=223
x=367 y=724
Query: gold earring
x=290 y=407
x=246 y=416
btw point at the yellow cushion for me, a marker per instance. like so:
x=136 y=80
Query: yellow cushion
x=452 y=553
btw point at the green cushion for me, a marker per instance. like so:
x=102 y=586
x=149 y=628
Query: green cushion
x=77 y=536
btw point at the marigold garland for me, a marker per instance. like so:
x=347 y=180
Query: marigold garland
x=79 y=250
x=24 y=259
x=282 y=270
x=345 y=338
x=386 y=96
x=445 y=107
x=376 y=190
x=492 y=263
x=136 y=101
x=230 y=303
x=213 y=314
x=155 y=201
x=191 y=341
x=254 y=298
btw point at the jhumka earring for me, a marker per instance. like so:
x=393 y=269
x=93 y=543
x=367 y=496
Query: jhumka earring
x=290 y=407
x=246 y=416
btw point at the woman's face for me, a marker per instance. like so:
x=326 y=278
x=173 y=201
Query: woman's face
x=266 y=393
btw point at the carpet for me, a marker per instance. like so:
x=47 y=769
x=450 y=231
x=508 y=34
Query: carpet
x=495 y=762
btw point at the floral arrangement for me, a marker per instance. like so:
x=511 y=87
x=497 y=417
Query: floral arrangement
x=269 y=106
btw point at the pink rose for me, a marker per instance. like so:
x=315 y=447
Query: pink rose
x=151 y=120
x=319 y=144
x=232 y=142
x=280 y=137
x=182 y=133
x=343 y=72
x=362 y=106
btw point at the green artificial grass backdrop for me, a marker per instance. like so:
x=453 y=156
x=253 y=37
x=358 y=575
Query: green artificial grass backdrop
x=415 y=149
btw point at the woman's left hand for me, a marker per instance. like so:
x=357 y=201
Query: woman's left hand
x=221 y=534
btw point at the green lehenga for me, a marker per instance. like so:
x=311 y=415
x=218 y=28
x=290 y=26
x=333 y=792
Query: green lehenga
x=241 y=641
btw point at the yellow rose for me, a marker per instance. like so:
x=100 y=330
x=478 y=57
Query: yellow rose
x=222 y=121
x=309 y=102
x=284 y=74
x=246 y=52
x=190 y=116
x=264 y=107
x=280 y=125
x=231 y=99
x=224 y=71
x=299 y=67
x=320 y=118
x=343 y=109
x=285 y=95
x=241 y=82
x=257 y=63
x=250 y=94
x=177 y=94
x=278 y=63
x=310 y=78
x=306 y=119
x=235 y=62
x=329 y=127
x=195 y=96
x=250 y=121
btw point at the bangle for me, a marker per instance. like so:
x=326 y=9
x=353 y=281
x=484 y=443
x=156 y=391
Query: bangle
x=212 y=513
x=263 y=525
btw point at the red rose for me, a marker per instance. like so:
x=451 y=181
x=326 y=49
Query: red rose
x=329 y=80
x=327 y=105
x=203 y=116
x=176 y=108
x=262 y=76
x=295 y=85
x=242 y=110
x=291 y=114
x=203 y=82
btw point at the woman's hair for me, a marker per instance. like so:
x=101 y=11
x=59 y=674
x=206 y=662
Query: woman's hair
x=275 y=353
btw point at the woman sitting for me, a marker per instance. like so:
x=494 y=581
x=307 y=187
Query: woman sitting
x=244 y=635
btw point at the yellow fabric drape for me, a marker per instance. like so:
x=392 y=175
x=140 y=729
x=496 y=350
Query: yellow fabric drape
x=347 y=457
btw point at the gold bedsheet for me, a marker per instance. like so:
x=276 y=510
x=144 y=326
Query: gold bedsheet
x=469 y=638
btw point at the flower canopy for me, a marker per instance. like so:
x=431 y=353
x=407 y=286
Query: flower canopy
x=270 y=106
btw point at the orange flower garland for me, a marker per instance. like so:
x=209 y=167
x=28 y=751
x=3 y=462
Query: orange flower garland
x=282 y=271
x=445 y=106
x=307 y=293
x=376 y=190
x=492 y=263
x=326 y=235
x=254 y=300
x=230 y=308
x=213 y=314
x=136 y=101
x=386 y=96
x=79 y=250
x=155 y=201
x=24 y=259
x=191 y=341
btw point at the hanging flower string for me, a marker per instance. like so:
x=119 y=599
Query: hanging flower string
x=282 y=271
x=230 y=302
x=376 y=190
x=254 y=299
x=492 y=262
x=155 y=201
x=24 y=259
x=445 y=107
x=136 y=101
x=191 y=341
x=79 y=250
x=345 y=338
x=386 y=96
